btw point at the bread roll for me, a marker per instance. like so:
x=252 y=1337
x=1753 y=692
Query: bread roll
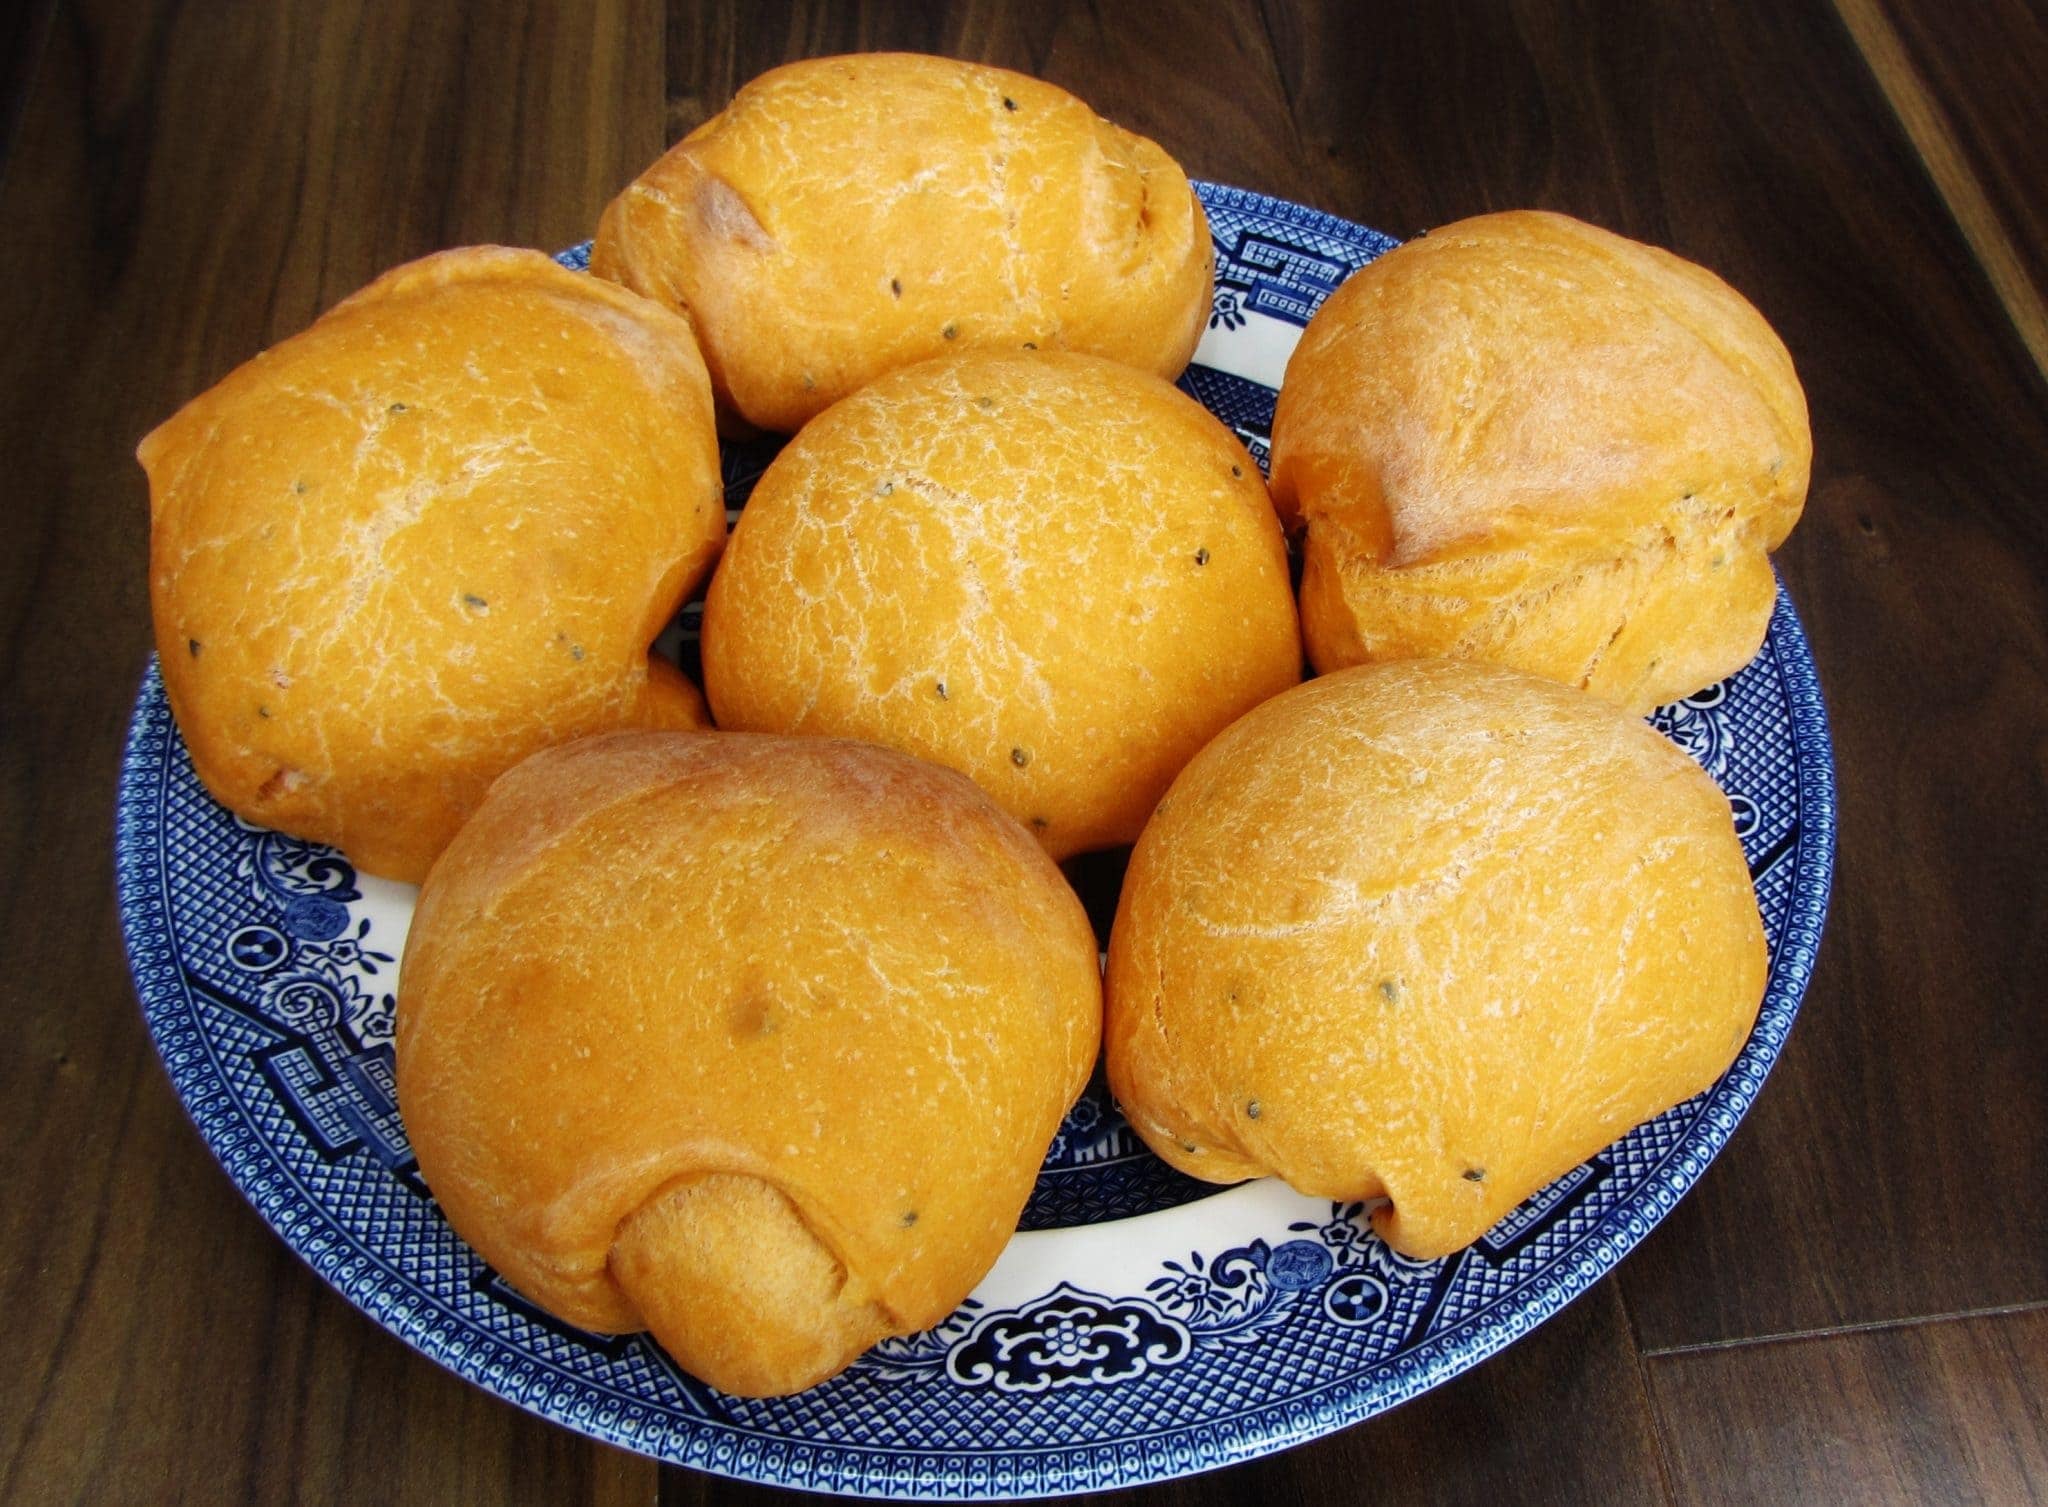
x=395 y=554
x=1053 y=573
x=844 y=217
x=1526 y=440
x=754 y=1042
x=1431 y=931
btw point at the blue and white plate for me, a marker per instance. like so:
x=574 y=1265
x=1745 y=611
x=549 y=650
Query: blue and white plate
x=1140 y=1326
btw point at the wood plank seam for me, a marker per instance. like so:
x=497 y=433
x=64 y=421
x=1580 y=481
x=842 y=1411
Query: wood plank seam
x=1836 y=1331
x=1933 y=137
x=1659 y=1443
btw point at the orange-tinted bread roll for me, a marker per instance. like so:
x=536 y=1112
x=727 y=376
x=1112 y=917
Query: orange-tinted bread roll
x=1434 y=931
x=1526 y=440
x=1053 y=573
x=754 y=1042
x=847 y=216
x=398 y=552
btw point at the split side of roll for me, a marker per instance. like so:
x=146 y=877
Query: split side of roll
x=754 y=1042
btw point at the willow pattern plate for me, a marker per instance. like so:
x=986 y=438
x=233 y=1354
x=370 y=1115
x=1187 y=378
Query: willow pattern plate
x=1140 y=1326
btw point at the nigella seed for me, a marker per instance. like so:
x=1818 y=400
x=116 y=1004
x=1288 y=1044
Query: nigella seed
x=263 y=712
x=884 y=488
x=1031 y=345
x=474 y=602
x=1252 y=1110
x=1475 y=1174
x=909 y=1218
x=1238 y=472
x=810 y=382
x=1202 y=555
x=951 y=331
x=1009 y=104
x=1041 y=823
x=984 y=403
x=1389 y=990
x=1020 y=757
x=576 y=652
x=896 y=287
x=940 y=688
x=299 y=487
x=192 y=647
x=398 y=408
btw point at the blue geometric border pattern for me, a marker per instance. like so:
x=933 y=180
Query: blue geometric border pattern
x=1280 y=259
x=266 y=976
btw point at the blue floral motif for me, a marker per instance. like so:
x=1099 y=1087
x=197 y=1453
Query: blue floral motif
x=1074 y=1338
x=348 y=951
x=314 y=998
x=311 y=884
x=1339 y=1264
x=1696 y=724
x=1349 y=1234
x=314 y=918
x=1067 y=1338
x=313 y=964
x=1226 y=310
x=1091 y=1132
x=302 y=999
x=1298 y=1265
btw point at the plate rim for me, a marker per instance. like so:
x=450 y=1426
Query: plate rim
x=929 y=1473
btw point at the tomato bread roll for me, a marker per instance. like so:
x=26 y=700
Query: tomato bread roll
x=1055 y=574
x=843 y=217
x=1434 y=932
x=1525 y=440
x=757 y=1043
x=395 y=554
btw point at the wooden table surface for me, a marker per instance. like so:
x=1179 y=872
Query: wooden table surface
x=1853 y=1305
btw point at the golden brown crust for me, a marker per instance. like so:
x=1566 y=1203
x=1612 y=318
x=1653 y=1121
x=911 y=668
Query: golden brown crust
x=847 y=216
x=1053 y=573
x=396 y=553
x=1434 y=931
x=1527 y=440
x=755 y=1041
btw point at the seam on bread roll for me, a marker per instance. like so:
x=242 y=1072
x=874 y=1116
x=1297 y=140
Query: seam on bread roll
x=667 y=990
x=1529 y=441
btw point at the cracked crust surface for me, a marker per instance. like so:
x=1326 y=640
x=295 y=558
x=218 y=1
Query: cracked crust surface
x=1526 y=440
x=756 y=1042
x=439 y=529
x=1432 y=931
x=1052 y=573
x=847 y=216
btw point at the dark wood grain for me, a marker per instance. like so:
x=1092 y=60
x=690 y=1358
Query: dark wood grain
x=190 y=184
x=24 y=27
x=1918 y=1414
x=187 y=184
